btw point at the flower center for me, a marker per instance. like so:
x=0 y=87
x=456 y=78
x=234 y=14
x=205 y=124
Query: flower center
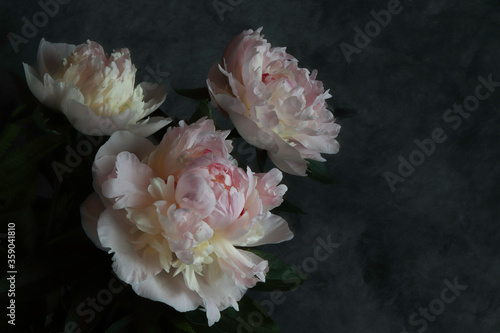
x=221 y=174
x=266 y=78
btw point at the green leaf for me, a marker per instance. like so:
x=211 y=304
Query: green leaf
x=19 y=166
x=203 y=110
x=120 y=325
x=251 y=317
x=19 y=112
x=317 y=171
x=30 y=152
x=280 y=276
x=198 y=93
x=147 y=313
x=288 y=207
x=9 y=134
x=182 y=324
x=50 y=121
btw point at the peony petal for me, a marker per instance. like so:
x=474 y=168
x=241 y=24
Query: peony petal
x=218 y=291
x=154 y=96
x=254 y=135
x=116 y=233
x=227 y=209
x=37 y=87
x=168 y=289
x=270 y=192
x=217 y=82
x=105 y=159
x=162 y=190
x=148 y=126
x=291 y=167
x=87 y=122
x=51 y=55
x=321 y=143
x=125 y=141
x=129 y=188
x=274 y=228
x=244 y=267
x=287 y=158
x=194 y=193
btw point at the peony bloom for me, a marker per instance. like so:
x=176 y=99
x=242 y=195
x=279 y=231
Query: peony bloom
x=95 y=91
x=174 y=215
x=274 y=104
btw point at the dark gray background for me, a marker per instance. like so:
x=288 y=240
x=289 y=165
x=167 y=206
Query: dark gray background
x=397 y=247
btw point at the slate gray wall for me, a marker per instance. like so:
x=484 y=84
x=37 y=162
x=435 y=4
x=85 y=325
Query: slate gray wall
x=397 y=247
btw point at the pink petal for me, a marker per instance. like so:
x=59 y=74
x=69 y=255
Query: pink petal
x=227 y=209
x=129 y=188
x=270 y=192
x=115 y=232
x=194 y=193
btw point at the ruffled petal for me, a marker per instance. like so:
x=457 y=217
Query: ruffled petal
x=269 y=229
x=130 y=187
x=270 y=192
x=118 y=234
x=194 y=193
x=168 y=289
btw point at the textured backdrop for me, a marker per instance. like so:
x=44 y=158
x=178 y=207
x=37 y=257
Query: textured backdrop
x=414 y=218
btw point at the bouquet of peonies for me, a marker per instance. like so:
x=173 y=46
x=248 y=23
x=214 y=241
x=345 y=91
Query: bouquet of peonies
x=179 y=214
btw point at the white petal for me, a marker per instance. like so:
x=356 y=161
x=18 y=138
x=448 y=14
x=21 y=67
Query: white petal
x=51 y=55
x=218 y=291
x=37 y=87
x=275 y=230
x=126 y=141
x=115 y=233
x=148 y=126
x=87 y=122
x=170 y=290
x=254 y=135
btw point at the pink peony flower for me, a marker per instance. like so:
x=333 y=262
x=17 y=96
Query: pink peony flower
x=274 y=104
x=174 y=215
x=95 y=91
